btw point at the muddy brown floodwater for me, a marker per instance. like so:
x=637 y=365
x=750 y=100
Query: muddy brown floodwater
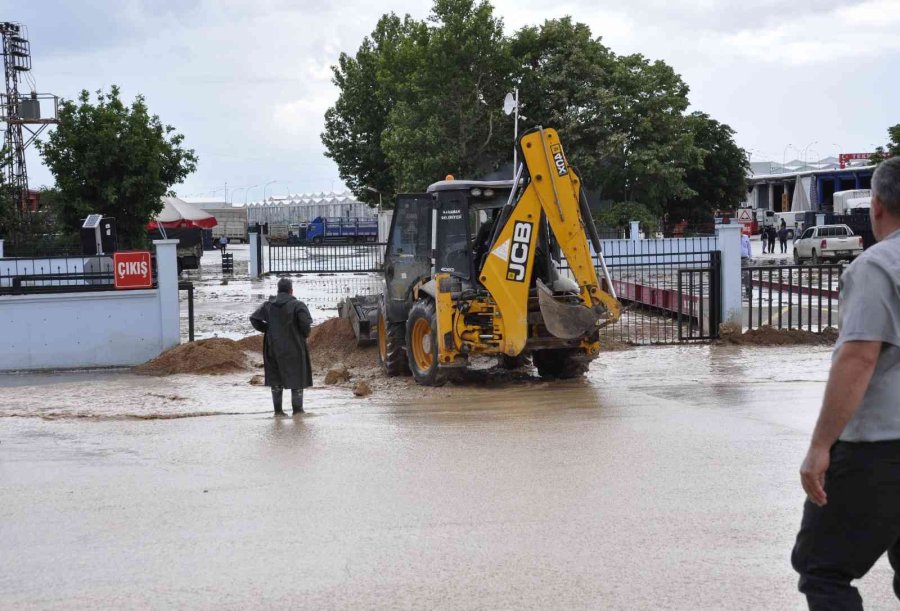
x=665 y=480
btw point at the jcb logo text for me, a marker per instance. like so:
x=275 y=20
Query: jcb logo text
x=558 y=159
x=518 y=253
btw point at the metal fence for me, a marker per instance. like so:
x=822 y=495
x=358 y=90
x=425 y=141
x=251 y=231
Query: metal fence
x=19 y=276
x=669 y=289
x=325 y=258
x=792 y=296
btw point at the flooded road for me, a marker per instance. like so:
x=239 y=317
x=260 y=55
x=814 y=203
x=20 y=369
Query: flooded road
x=668 y=480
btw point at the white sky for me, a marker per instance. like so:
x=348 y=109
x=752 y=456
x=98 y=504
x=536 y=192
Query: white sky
x=247 y=82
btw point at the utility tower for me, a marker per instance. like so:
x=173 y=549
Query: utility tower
x=21 y=112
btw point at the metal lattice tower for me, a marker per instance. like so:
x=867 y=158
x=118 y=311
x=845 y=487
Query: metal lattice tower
x=16 y=59
x=20 y=111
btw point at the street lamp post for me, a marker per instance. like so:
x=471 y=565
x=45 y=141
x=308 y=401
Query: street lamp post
x=232 y=193
x=374 y=190
x=784 y=156
x=806 y=148
x=247 y=192
x=266 y=186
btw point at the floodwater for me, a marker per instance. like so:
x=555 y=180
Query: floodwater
x=666 y=480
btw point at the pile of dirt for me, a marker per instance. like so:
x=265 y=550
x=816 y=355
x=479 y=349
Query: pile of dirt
x=207 y=356
x=252 y=343
x=330 y=343
x=770 y=336
x=333 y=343
x=337 y=375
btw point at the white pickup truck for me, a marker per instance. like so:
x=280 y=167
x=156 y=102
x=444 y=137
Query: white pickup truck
x=832 y=242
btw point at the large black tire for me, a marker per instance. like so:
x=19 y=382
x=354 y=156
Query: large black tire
x=392 y=346
x=421 y=344
x=561 y=363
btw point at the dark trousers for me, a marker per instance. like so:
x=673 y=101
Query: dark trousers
x=861 y=521
x=783 y=246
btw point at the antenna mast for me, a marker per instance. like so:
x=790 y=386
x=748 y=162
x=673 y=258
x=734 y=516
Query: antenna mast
x=20 y=111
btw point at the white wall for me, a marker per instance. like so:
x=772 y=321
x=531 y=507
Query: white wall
x=92 y=329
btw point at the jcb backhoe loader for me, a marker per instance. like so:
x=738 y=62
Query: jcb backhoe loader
x=495 y=268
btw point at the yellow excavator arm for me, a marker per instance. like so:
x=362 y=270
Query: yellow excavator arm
x=553 y=189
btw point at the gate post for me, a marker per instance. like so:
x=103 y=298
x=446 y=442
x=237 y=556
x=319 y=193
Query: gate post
x=167 y=292
x=729 y=239
x=635 y=230
x=255 y=252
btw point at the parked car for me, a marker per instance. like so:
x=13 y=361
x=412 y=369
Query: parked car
x=831 y=242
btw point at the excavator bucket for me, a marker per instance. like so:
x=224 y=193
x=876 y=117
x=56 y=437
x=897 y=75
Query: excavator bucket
x=567 y=320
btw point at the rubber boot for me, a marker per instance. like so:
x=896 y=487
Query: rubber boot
x=277 y=394
x=297 y=400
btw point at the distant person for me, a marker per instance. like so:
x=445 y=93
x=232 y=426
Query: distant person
x=746 y=254
x=851 y=473
x=223 y=243
x=772 y=234
x=286 y=322
x=782 y=238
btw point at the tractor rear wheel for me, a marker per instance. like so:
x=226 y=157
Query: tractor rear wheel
x=421 y=344
x=392 y=346
x=562 y=363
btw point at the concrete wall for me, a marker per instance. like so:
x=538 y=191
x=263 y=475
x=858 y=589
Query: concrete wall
x=92 y=329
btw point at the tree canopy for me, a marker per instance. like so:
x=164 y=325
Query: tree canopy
x=891 y=148
x=115 y=160
x=421 y=99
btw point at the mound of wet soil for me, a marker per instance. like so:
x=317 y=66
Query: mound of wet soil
x=770 y=336
x=207 y=356
x=333 y=343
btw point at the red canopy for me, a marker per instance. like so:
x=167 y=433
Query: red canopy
x=177 y=213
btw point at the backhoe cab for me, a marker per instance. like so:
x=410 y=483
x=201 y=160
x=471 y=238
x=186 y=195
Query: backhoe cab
x=475 y=267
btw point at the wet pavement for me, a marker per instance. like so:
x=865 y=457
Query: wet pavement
x=666 y=480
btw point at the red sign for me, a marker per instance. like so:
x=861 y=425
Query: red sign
x=132 y=270
x=843 y=158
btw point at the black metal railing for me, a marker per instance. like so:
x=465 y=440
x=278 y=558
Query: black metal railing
x=27 y=275
x=645 y=276
x=188 y=287
x=792 y=296
x=326 y=258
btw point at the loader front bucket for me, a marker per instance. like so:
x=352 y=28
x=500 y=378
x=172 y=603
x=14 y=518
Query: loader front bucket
x=566 y=320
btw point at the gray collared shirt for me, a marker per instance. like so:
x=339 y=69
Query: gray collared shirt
x=870 y=311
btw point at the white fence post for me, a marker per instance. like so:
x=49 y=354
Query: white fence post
x=167 y=290
x=820 y=219
x=729 y=238
x=384 y=224
x=1 y=249
x=255 y=267
x=635 y=230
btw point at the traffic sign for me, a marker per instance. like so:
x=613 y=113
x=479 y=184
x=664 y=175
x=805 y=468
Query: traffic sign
x=744 y=215
x=132 y=270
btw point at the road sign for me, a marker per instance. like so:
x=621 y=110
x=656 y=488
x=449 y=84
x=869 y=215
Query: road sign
x=132 y=270
x=744 y=215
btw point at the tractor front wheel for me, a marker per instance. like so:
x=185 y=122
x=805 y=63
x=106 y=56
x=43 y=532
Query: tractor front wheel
x=392 y=346
x=421 y=344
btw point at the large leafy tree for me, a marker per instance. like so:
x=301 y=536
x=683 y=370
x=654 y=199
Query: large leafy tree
x=114 y=159
x=420 y=100
x=721 y=181
x=370 y=84
x=426 y=101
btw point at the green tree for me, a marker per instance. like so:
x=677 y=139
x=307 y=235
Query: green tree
x=369 y=83
x=721 y=182
x=892 y=148
x=620 y=214
x=115 y=160
x=621 y=116
x=451 y=118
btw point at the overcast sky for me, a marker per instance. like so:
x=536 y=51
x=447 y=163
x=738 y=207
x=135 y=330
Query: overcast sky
x=248 y=82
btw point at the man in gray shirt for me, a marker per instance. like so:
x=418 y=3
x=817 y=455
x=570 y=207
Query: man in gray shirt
x=851 y=473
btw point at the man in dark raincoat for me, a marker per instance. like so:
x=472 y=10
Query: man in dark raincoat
x=285 y=321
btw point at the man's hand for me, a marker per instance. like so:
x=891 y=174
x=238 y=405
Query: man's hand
x=812 y=474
